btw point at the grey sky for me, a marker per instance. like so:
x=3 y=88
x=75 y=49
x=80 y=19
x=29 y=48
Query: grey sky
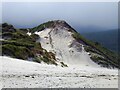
x=78 y=14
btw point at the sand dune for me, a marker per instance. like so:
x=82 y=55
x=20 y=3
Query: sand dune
x=61 y=42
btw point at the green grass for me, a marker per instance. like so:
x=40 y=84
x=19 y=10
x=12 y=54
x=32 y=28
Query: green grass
x=42 y=26
x=19 y=52
x=17 y=43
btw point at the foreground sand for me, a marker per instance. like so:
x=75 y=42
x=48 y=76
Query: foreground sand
x=21 y=74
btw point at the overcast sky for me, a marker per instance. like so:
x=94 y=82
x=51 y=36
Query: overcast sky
x=78 y=14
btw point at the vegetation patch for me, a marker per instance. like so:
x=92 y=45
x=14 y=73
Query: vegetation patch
x=63 y=64
x=19 y=52
x=18 y=44
x=42 y=26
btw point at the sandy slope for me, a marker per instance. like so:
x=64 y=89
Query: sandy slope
x=18 y=73
x=60 y=41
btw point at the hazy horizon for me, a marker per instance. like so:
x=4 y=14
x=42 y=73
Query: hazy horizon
x=80 y=15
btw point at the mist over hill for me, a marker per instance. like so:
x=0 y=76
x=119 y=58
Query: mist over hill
x=89 y=28
x=108 y=39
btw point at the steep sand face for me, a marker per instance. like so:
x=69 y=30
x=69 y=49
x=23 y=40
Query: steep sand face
x=66 y=48
x=24 y=74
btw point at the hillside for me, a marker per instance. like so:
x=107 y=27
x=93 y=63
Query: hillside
x=17 y=44
x=55 y=42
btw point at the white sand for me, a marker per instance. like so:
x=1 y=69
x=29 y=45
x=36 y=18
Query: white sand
x=63 y=45
x=28 y=32
x=21 y=74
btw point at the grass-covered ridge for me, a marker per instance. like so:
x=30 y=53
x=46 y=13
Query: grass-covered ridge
x=51 y=24
x=42 y=26
x=18 y=44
